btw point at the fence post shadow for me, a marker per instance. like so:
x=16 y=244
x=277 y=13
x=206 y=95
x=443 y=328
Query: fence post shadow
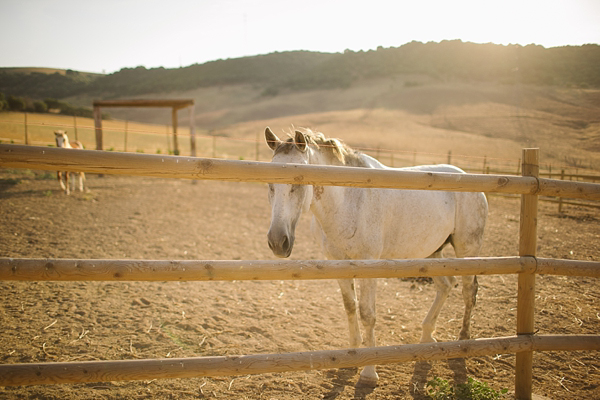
x=419 y=379
x=459 y=367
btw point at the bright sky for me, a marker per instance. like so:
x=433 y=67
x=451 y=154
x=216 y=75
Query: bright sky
x=108 y=35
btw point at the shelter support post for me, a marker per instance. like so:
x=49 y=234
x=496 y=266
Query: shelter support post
x=26 y=131
x=98 y=126
x=192 y=132
x=526 y=285
x=175 y=142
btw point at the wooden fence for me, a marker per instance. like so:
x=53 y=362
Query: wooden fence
x=527 y=265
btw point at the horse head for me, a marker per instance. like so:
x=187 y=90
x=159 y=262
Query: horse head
x=287 y=201
x=62 y=140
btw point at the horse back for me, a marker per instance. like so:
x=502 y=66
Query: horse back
x=76 y=144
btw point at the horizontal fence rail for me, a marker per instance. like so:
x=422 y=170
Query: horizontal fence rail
x=92 y=161
x=191 y=367
x=24 y=269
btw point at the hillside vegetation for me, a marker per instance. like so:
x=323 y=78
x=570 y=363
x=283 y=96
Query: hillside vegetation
x=464 y=98
x=303 y=70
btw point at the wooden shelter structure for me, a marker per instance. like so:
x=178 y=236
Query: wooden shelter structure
x=175 y=104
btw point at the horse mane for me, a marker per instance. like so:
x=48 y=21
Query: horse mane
x=334 y=148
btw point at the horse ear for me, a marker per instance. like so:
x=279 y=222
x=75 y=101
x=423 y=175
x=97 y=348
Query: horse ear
x=337 y=149
x=272 y=140
x=300 y=141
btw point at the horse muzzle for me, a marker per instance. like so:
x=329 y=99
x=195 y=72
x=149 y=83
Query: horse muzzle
x=281 y=244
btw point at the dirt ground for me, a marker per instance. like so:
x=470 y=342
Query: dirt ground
x=146 y=218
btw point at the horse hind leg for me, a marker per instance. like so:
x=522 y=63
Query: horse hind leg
x=368 y=293
x=467 y=242
x=443 y=286
x=469 y=288
x=469 y=292
x=73 y=177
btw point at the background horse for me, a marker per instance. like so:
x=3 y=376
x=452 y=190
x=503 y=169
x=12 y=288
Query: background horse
x=360 y=223
x=62 y=140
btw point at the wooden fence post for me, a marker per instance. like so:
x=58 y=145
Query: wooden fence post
x=168 y=142
x=174 y=122
x=560 y=199
x=75 y=127
x=526 y=286
x=98 y=126
x=193 y=132
x=26 y=132
x=257 y=145
x=125 y=143
x=214 y=146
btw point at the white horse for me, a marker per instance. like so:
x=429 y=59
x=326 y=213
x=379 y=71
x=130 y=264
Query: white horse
x=62 y=140
x=359 y=223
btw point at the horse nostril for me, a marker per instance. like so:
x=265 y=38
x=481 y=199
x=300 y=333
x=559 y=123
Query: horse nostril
x=285 y=244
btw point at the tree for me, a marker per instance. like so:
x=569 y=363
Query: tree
x=3 y=103
x=16 y=103
x=52 y=104
x=40 y=107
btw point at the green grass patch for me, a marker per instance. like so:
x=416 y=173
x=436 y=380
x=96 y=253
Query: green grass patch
x=441 y=389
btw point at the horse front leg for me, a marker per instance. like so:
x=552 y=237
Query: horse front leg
x=81 y=180
x=73 y=177
x=349 y=299
x=59 y=176
x=67 y=187
x=443 y=286
x=368 y=296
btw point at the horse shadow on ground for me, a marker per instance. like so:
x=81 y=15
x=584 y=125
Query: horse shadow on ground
x=421 y=376
x=343 y=377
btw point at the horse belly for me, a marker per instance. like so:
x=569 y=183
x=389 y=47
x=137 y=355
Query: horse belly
x=418 y=223
x=384 y=223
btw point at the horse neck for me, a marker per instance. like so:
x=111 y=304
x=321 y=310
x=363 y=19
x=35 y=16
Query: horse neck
x=65 y=143
x=325 y=199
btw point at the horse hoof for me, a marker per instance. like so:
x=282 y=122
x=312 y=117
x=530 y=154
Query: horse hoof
x=367 y=382
x=464 y=336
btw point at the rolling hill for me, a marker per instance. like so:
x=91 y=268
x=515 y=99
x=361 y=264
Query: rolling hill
x=522 y=96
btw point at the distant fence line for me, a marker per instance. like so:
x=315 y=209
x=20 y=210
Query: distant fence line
x=213 y=148
x=491 y=165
